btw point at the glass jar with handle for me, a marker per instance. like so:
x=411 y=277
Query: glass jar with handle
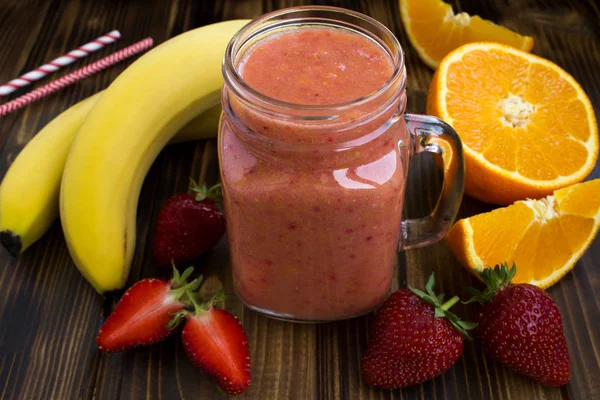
x=314 y=148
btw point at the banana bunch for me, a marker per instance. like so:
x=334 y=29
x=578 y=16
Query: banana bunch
x=90 y=161
x=30 y=190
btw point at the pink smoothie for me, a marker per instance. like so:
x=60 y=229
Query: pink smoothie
x=313 y=230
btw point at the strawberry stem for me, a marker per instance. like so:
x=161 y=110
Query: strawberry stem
x=495 y=279
x=193 y=300
x=180 y=279
x=218 y=297
x=186 y=274
x=190 y=287
x=177 y=317
x=179 y=286
x=198 y=306
x=446 y=306
x=441 y=310
x=194 y=187
x=214 y=192
x=203 y=193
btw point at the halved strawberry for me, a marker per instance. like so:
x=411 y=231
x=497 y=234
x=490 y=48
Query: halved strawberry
x=215 y=341
x=143 y=313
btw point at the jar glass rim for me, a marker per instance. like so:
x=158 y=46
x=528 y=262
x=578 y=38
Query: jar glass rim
x=294 y=16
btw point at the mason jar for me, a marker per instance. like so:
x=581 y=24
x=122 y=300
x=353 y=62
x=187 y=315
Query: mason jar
x=313 y=193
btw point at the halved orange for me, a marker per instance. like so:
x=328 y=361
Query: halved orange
x=545 y=238
x=434 y=30
x=527 y=126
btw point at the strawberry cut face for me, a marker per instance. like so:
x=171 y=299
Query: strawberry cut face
x=216 y=343
x=140 y=318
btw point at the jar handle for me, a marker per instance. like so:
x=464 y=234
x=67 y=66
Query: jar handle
x=433 y=135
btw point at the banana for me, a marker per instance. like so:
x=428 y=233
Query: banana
x=204 y=126
x=133 y=120
x=29 y=192
x=30 y=189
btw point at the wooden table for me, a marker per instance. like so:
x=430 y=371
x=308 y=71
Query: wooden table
x=49 y=315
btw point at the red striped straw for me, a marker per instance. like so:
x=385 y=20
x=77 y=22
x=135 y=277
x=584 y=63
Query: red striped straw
x=59 y=62
x=75 y=76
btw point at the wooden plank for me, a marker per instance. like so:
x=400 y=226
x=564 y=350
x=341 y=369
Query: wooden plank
x=53 y=355
x=47 y=345
x=44 y=340
x=20 y=30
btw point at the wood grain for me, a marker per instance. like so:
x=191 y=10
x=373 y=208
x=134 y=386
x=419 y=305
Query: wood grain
x=49 y=315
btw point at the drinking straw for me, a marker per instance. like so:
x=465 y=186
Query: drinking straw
x=59 y=62
x=75 y=76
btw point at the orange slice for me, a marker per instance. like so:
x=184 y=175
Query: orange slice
x=434 y=30
x=545 y=238
x=527 y=126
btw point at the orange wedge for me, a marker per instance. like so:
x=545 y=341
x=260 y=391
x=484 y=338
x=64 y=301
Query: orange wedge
x=527 y=126
x=545 y=238
x=434 y=30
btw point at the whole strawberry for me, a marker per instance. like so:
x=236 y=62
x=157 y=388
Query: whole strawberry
x=520 y=326
x=143 y=313
x=414 y=338
x=188 y=225
x=215 y=341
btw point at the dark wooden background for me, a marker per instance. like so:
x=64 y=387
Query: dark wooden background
x=49 y=315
